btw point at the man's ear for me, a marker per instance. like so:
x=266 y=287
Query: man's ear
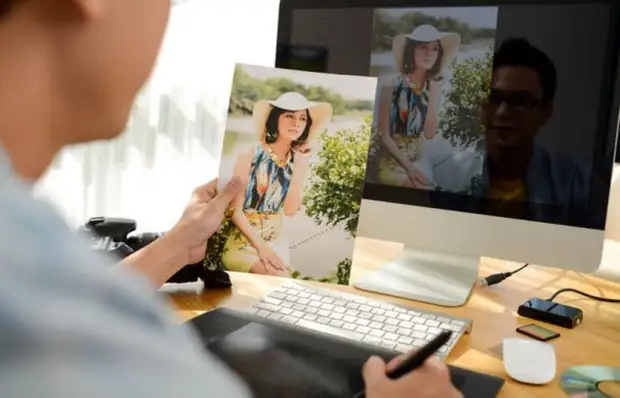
x=547 y=112
x=90 y=9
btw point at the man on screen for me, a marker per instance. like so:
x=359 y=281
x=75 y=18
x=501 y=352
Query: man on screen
x=520 y=176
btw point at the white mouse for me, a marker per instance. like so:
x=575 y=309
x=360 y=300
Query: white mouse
x=529 y=361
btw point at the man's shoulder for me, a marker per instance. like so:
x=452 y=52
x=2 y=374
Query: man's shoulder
x=77 y=325
x=562 y=163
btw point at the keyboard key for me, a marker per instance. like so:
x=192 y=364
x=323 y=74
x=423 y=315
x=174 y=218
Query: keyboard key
x=404 y=317
x=418 y=335
x=419 y=343
x=286 y=311
x=349 y=318
x=349 y=326
x=362 y=322
x=310 y=317
x=327 y=307
x=340 y=310
x=323 y=320
x=406 y=325
x=432 y=323
x=362 y=329
x=392 y=321
x=268 y=306
x=379 y=318
x=371 y=340
x=420 y=328
x=404 y=332
x=390 y=336
x=390 y=345
x=335 y=315
x=391 y=314
x=376 y=325
x=365 y=315
x=336 y=323
x=376 y=333
x=274 y=316
x=390 y=328
x=405 y=340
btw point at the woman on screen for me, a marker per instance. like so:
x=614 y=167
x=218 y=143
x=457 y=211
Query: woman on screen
x=273 y=174
x=408 y=108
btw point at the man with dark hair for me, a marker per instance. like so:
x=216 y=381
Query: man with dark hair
x=520 y=176
x=71 y=324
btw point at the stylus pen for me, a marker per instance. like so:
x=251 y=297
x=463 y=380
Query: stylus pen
x=417 y=359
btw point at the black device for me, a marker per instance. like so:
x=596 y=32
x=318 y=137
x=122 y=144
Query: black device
x=538 y=332
x=417 y=359
x=278 y=360
x=116 y=237
x=550 y=312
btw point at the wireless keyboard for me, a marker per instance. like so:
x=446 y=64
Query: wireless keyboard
x=358 y=318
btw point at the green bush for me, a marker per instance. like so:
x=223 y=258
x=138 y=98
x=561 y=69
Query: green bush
x=470 y=86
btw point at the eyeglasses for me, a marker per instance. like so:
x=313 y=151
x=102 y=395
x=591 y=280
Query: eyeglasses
x=515 y=100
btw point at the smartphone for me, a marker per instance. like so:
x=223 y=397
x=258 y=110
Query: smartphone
x=538 y=332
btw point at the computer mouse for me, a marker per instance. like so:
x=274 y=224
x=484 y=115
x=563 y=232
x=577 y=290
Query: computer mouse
x=529 y=361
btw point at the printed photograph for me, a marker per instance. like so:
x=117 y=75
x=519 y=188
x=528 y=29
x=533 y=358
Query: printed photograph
x=299 y=142
x=434 y=69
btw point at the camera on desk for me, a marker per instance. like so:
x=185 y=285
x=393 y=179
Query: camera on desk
x=116 y=236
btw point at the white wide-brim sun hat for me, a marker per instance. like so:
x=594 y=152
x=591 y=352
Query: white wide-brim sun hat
x=320 y=112
x=450 y=42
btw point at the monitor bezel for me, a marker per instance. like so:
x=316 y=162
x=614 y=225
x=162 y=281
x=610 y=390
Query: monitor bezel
x=604 y=150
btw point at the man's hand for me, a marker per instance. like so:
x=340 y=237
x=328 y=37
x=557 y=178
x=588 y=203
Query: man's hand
x=203 y=217
x=186 y=242
x=431 y=380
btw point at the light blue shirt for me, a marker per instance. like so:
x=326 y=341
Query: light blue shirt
x=73 y=325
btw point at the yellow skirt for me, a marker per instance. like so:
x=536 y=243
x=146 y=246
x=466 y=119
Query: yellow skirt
x=240 y=256
x=390 y=172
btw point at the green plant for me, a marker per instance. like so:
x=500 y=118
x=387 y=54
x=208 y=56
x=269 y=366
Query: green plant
x=215 y=245
x=341 y=276
x=470 y=86
x=334 y=193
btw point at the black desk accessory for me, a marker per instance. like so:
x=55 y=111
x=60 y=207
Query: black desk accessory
x=277 y=360
x=417 y=359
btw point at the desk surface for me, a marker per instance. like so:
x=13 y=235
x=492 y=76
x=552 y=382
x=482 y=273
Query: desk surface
x=595 y=342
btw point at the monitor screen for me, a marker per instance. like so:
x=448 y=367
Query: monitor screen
x=498 y=108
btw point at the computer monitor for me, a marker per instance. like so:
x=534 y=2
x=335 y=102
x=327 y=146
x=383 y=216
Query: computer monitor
x=493 y=136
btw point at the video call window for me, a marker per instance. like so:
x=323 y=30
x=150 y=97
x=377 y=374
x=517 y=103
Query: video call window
x=496 y=110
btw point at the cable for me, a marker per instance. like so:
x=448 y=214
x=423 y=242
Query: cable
x=597 y=298
x=498 y=278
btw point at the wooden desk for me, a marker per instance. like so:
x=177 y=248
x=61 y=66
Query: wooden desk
x=595 y=342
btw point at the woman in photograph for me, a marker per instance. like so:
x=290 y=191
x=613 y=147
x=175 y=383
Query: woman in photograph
x=409 y=106
x=273 y=174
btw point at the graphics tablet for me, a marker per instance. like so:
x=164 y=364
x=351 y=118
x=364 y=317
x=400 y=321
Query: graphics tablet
x=276 y=360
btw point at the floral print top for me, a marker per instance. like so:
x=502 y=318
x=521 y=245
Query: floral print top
x=268 y=183
x=409 y=108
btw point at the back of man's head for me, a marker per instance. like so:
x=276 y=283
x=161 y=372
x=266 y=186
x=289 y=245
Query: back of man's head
x=78 y=77
x=518 y=52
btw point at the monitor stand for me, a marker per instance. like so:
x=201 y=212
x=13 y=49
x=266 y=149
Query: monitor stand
x=434 y=278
